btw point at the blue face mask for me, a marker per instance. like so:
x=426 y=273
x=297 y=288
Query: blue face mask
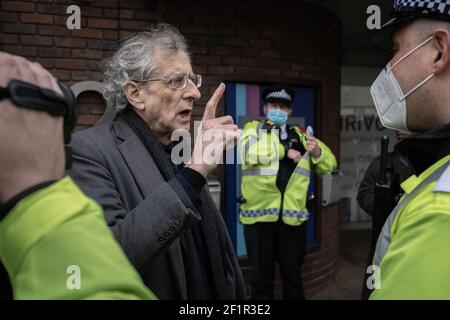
x=277 y=116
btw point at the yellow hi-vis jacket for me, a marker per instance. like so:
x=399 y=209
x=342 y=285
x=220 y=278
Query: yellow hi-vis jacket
x=412 y=256
x=260 y=152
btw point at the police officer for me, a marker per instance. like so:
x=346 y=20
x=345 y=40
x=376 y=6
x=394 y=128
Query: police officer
x=276 y=164
x=411 y=94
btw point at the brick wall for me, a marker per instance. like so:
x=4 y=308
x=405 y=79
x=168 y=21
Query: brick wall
x=255 y=41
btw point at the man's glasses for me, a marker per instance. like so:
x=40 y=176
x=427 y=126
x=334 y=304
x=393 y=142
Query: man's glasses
x=178 y=81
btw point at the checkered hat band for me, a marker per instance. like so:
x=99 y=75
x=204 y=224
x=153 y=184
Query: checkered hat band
x=435 y=6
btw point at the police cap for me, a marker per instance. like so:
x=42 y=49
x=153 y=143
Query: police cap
x=407 y=10
x=279 y=93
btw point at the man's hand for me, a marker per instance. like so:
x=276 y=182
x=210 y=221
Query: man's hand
x=214 y=134
x=294 y=155
x=31 y=142
x=313 y=148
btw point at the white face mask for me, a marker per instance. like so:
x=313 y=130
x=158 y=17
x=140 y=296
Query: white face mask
x=388 y=97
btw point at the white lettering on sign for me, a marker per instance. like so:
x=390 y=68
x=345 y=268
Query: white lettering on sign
x=374 y=20
x=74 y=20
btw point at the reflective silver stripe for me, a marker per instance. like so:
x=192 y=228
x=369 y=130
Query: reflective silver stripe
x=443 y=185
x=306 y=156
x=259 y=126
x=251 y=141
x=384 y=240
x=302 y=171
x=259 y=172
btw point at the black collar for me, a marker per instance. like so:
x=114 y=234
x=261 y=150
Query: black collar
x=425 y=149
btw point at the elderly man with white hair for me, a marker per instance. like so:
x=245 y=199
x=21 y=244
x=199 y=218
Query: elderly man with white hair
x=162 y=214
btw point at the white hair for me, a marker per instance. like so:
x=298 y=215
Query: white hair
x=134 y=60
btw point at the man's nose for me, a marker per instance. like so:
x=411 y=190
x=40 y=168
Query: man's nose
x=191 y=91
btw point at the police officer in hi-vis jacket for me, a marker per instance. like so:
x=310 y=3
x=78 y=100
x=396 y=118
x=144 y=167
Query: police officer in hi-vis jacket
x=276 y=162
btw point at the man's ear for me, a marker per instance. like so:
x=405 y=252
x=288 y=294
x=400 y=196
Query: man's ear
x=442 y=47
x=265 y=109
x=133 y=93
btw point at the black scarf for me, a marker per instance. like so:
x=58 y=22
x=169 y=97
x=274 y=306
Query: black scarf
x=197 y=289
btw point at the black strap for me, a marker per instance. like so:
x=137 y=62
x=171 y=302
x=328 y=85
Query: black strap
x=26 y=95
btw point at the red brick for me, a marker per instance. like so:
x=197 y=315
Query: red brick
x=125 y=14
x=298 y=67
x=9 y=17
x=17 y=6
x=38 y=41
x=70 y=42
x=145 y=15
x=223 y=31
x=88 y=33
x=20 y=50
x=87 y=54
x=270 y=72
x=246 y=71
x=110 y=34
x=90 y=11
x=198 y=49
x=86 y=75
x=106 y=3
x=220 y=70
x=223 y=51
x=134 y=4
x=110 y=13
x=123 y=34
x=205 y=59
x=248 y=32
x=267 y=53
x=102 y=45
x=52 y=52
x=240 y=61
x=260 y=43
x=102 y=23
x=52 y=8
x=46 y=63
x=249 y=52
x=290 y=74
x=134 y=25
x=209 y=40
x=62 y=75
x=36 y=18
x=193 y=29
x=258 y=62
x=70 y=64
x=200 y=70
x=19 y=28
x=9 y=39
x=238 y=42
x=94 y=65
x=179 y=17
x=54 y=30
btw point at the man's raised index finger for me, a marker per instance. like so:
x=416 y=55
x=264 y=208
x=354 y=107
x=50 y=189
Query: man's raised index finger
x=211 y=106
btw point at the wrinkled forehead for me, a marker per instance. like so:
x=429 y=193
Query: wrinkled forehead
x=176 y=60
